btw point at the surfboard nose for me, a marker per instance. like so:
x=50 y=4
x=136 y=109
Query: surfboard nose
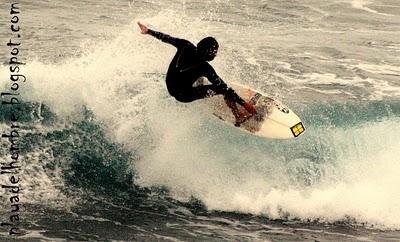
x=298 y=129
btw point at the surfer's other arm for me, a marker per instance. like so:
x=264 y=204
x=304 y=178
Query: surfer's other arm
x=161 y=36
x=228 y=92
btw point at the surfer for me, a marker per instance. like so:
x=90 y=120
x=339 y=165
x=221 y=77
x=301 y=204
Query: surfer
x=189 y=64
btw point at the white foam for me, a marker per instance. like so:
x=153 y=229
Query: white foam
x=365 y=188
x=381 y=88
x=361 y=4
x=380 y=69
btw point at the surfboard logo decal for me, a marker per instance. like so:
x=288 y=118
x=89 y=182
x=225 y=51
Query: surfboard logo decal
x=281 y=108
x=255 y=98
x=297 y=129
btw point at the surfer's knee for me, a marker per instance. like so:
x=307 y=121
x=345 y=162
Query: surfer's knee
x=183 y=98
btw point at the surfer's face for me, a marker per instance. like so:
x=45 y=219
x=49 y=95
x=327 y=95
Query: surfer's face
x=211 y=54
x=207 y=48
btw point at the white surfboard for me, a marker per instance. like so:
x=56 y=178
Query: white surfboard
x=273 y=119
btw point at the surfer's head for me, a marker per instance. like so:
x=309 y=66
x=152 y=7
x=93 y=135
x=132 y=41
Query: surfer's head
x=207 y=48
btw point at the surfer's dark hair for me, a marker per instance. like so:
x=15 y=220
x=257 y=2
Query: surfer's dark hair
x=207 y=48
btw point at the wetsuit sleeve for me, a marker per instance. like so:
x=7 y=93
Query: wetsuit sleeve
x=168 y=39
x=221 y=85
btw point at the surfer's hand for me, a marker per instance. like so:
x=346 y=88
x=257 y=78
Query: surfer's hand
x=250 y=108
x=143 y=28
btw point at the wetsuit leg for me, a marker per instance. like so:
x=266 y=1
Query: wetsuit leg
x=195 y=93
x=204 y=91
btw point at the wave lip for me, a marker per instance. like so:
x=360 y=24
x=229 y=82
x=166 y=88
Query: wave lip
x=361 y=4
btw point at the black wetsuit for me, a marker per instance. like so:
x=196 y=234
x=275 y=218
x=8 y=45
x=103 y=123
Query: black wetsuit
x=186 y=68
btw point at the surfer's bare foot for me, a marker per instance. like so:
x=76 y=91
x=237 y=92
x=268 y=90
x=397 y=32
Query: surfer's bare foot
x=250 y=108
x=240 y=117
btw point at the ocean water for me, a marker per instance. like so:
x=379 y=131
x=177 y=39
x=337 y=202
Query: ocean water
x=107 y=155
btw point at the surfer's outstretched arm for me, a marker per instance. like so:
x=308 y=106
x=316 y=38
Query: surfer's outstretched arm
x=163 y=37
